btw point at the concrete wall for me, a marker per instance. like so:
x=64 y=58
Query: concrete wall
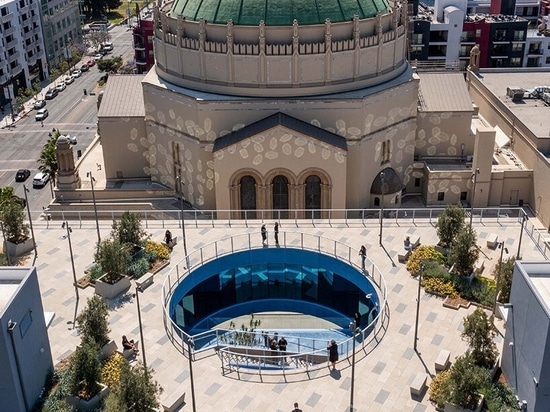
x=30 y=339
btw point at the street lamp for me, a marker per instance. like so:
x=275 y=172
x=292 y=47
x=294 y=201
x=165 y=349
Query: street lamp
x=139 y=290
x=524 y=217
x=25 y=190
x=381 y=206
x=190 y=346
x=354 y=330
x=500 y=245
x=418 y=305
x=92 y=180
x=65 y=225
x=474 y=179
x=181 y=183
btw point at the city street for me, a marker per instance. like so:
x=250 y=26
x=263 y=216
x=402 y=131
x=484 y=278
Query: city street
x=72 y=112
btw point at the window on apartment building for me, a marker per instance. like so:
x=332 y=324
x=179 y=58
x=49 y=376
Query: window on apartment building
x=519 y=35
x=4 y=11
x=417 y=38
x=465 y=51
x=548 y=60
x=440 y=196
x=463 y=195
x=22 y=3
x=500 y=35
x=517 y=47
x=515 y=62
x=478 y=32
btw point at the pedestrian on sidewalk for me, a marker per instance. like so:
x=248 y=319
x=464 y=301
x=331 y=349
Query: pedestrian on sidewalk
x=264 y=235
x=296 y=408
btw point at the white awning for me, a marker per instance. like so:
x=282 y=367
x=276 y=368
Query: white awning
x=501 y=139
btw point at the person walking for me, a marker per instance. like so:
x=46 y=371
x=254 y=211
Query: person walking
x=296 y=408
x=264 y=235
x=333 y=353
x=363 y=254
x=276 y=230
x=282 y=348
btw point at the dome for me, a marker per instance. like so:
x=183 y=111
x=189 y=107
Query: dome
x=277 y=12
x=392 y=182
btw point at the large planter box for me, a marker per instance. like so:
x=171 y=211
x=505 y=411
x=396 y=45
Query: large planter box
x=111 y=290
x=80 y=404
x=18 y=249
x=449 y=407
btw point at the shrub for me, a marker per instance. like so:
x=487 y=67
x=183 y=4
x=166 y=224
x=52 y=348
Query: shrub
x=500 y=398
x=419 y=255
x=128 y=231
x=439 y=286
x=139 y=267
x=506 y=275
x=434 y=269
x=113 y=257
x=112 y=369
x=96 y=271
x=466 y=382
x=479 y=332
x=161 y=251
x=438 y=388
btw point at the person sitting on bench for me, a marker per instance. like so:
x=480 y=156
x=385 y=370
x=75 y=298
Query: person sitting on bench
x=168 y=238
x=407 y=244
x=129 y=344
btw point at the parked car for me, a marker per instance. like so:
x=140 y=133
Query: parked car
x=98 y=56
x=39 y=104
x=76 y=73
x=41 y=115
x=40 y=179
x=61 y=86
x=71 y=139
x=84 y=68
x=22 y=175
x=90 y=63
x=68 y=80
x=107 y=46
x=50 y=94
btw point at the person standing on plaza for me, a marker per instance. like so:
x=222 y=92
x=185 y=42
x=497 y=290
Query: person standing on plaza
x=363 y=254
x=264 y=235
x=296 y=408
x=282 y=348
x=276 y=230
x=333 y=353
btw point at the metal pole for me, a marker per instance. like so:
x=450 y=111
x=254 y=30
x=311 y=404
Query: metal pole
x=474 y=177
x=501 y=246
x=523 y=219
x=354 y=329
x=190 y=344
x=69 y=230
x=25 y=190
x=381 y=207
x=418 y=306
x=138 y=291
x=95 y=208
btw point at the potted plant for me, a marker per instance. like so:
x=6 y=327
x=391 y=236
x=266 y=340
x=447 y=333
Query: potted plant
x=464 y=252
x=113 y=258
x=14 y=229
x=480 y=332
x=449 y=224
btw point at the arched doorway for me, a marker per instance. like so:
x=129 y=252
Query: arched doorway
x=280 y=197
x=248 y=197
x=312 y=199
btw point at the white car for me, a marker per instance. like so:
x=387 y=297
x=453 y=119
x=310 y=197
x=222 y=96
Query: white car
x=40 y=179
x=68 y=80
x=76 y=73
x=71 y=139
x=60 y=87
x=41 y=115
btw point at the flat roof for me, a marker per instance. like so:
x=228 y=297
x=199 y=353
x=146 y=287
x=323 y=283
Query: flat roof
x=539 y=276
x=10 y=280
x=123 y=96
x=533 y=113
x=443 y=92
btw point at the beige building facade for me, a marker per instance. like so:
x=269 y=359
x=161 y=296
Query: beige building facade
x=261 y=120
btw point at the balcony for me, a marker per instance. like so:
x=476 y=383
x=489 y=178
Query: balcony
x=139 y=47
x=6 y=18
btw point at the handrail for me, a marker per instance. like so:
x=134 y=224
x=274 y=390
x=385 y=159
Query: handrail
x=232 y=244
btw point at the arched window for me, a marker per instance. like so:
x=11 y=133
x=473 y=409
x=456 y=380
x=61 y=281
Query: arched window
x=248 y=197
x=313 y=195
x=280 y=196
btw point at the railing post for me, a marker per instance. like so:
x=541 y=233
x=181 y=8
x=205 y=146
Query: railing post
x=146 y=220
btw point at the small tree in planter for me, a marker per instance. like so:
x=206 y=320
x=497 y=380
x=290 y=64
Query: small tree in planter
x=480 y=332
x=85 y=372
x=129 y=231
x=449 y=224
x=464 y=252
x=92 y=323
x=113 y=257
x=506 y=275
x=12 y=216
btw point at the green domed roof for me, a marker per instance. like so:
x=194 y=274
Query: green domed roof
x=277 y=12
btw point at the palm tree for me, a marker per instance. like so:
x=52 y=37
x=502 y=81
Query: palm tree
x=48 y=158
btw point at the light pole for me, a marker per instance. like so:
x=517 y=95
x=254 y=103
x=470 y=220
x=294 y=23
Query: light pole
x=381 y=206
x=190 y=346
x=474 y=179
x=92 y=180
x=418 y=306
x=524 y=217
x=25 y=190
x=353 y=328
x=502 y=249
x=138 y=291
x=65 y=225
x=181 y=183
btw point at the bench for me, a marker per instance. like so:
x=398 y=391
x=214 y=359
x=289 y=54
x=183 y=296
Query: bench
x=107 y=350
x=442 y=360
x=402 y=258
x=145 y=281
x=415 y=242
x=492 y=241
x=174 y=401
x=173 y=242
x=419 y=384
x=479 y=266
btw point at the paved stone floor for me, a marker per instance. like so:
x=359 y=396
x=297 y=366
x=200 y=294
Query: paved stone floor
x=382 y=376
